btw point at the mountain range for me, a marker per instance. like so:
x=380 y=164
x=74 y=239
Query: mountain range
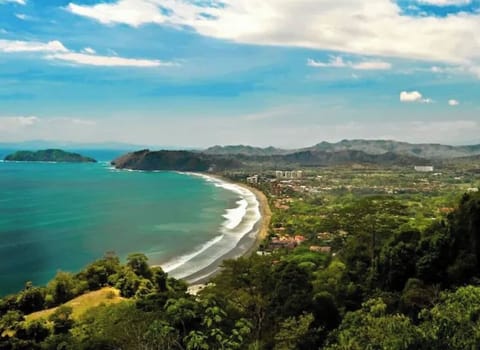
x=429 y=151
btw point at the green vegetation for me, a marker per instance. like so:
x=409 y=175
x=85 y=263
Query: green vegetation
x=174 y=160
x=379 y=259
x=82 y=303
x=49 y=155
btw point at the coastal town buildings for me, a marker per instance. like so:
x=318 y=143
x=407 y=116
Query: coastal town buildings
x=294 y=174
x=252 y=179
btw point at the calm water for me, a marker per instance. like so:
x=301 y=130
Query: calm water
x=63 y=216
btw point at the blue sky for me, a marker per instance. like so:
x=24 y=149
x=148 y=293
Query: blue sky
x=272 y=72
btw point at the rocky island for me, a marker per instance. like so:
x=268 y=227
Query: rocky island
x=48 y=155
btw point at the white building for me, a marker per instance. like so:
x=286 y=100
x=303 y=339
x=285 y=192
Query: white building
x=252 y=179
x=294 y=174
x=424 y=169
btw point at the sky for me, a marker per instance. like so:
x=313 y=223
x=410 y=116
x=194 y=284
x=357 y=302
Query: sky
x=196 y=73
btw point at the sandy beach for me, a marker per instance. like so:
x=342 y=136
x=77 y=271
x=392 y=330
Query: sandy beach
x=245 y=247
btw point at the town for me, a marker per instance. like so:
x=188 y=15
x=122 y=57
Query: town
x=313 y=208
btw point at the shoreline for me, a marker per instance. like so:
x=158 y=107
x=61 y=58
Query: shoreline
x=247 y=245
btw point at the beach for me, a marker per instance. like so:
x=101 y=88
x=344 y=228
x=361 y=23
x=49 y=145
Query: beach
x=247 y=244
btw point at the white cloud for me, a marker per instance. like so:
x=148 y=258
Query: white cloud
x=474 y=70
x=9 y=124
x=20 y=2
x=453 y=103
x=107 y=61
x=22 y=16
x=31 y=127
x=31 y=46
x=74 y=121
x=445 y=2
x=372 y=65
x=335 y=62
x=55 y=50
x=376 y=28
x=414 y=96
x=338 y=62
x=89 y=50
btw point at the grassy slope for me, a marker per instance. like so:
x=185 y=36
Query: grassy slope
x=81 y=304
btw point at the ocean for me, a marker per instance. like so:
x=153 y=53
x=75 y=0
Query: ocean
x=57 y=216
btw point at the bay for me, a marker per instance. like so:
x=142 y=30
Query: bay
x=63 y=216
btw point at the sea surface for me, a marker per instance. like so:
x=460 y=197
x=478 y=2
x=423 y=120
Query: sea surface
x=57 y=216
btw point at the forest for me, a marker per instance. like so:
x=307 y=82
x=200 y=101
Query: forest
x=389 y=285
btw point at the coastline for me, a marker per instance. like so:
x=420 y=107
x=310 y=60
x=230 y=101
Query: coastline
x=247 y=245
x=266 y=216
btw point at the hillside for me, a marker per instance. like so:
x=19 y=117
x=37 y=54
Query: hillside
x=245 y=150
x=173 y=160
x=48 y=155
x=82 y=303
x=189 y=161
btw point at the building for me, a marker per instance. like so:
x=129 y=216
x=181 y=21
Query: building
x=294 y=174
x=252 y=179
x=319 y=249
x=424 y=168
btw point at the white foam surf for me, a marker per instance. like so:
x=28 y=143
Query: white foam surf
x=177 y=262
x=239 y=222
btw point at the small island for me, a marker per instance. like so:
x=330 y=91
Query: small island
x=48 y=155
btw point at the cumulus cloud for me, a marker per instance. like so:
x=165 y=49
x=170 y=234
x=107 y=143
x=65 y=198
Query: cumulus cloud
x=338 y=62
x=453 y=103
x=55 y=50
x=413 y=96
x=350 y=26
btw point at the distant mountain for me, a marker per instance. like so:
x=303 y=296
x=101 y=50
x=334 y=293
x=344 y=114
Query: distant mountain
x=321 y=158
x=48 y=155
x=174 y=160
x=426 y=150
x=373 y=147
x=245 y=150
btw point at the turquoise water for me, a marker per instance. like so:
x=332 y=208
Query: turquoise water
x=63 y=216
